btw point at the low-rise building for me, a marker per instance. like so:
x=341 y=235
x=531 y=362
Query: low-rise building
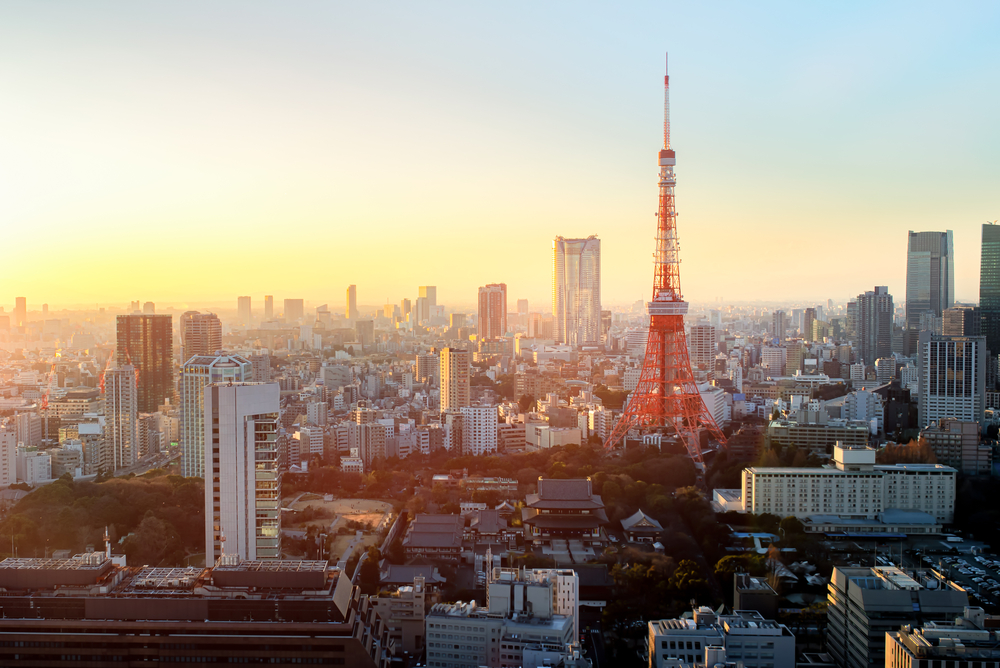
x=962 y=643
x=745 y=636
x=403 y=612
x=956 y=443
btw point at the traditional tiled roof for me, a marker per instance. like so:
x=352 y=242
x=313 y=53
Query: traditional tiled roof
x=556 y=494
x=640 y=521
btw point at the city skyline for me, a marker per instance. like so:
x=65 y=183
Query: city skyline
x=831 y=124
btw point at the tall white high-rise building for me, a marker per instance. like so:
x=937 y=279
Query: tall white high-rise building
x=121 y=411
x=455 y=378
x=196 y=373
x=242 y=473
x=8 y=455
x=576 y=290
x=479 y=430
x=952 y=380
x=703 y=346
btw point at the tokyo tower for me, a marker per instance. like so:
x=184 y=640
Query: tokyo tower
x=666 y=399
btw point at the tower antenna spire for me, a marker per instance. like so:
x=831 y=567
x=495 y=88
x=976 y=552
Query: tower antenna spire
x=666 y=101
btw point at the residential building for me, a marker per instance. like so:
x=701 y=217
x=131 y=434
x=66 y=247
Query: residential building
x=479 y=430
x=863 y=604
x=885 y=370
x=201 y=334
x=779 y=325
x=875 y=318
x=855 y=490
x=428 y=368
x=455 y=378
x=492 y=323
x=930 y=280
x=33 y=466
x=242 y=472
x=952 y=380
x=964 y=642
x=121 y=412
x=956 y=443
x=576 y=290
x=703 y=346
x=369 y=438
x=8 y=456
x=198 y=372
x=146 y=343
x=708 y=639
x=176 y=616
x=243 y=313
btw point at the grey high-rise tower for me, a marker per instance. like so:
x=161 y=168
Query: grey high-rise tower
x=875 y=313
x=989 y=287
x=930 y=280
x=576 y=290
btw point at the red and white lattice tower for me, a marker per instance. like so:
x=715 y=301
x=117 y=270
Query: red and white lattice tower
x=666 y=399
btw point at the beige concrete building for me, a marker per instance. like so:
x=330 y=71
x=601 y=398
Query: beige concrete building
x=455 y=375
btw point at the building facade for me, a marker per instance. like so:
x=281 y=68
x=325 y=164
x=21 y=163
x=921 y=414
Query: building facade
x=745 y=637
x=930 y=280
x=121 y=415
x=242 y=472
x=576 y=290
x=146 y=343
x=198 y=372
x=952 y=380
x=201 y=334
x=455 y=378
x=875 y=319
x=492 y=323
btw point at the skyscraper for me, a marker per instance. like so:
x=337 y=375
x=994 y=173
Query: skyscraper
x=930 y=280
x=989 y=287
x=146 y=342
x=196 y=373
x=808 y=318
x=201 y=334
x=20 y=311
x=352 y=303
x=492 y=311
x=242 y=474
x=703 y=346
x=455 y=364
x=875 y=313
x=961 y=320
x=121 y=429
x=294 y=310
x=779 y=325
x=243 y=312
x=426 y=301
x=576 y=290
x=405 y=306
x=268 y=307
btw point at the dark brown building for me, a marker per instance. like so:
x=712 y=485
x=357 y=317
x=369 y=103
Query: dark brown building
x=565 y=515
x=87 y=611
x=146 y=342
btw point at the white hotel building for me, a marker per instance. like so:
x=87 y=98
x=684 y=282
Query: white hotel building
x=854 y=494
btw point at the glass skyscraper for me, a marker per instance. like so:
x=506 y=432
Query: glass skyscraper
x=930 y=280
x=989 y=287
x=576 y=290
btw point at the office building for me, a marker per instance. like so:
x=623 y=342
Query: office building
x=853 y=492
x=405 y=307
x=885 y=370
x=455 y=378
x=875 y=316
x=242 y=474
x=808 y=320
x=779 y=325
x=863 y=604
x=708 y=639
x=952 y=378
x=351 y=311
x=201 y=334
x=146 y=343
x=528 y=621
x=62 y=612
x=961 y=320
x=492 y=322
x=479 y=430
x=403 y=612
x=989 y=287
x=243 y=312
x=268 y=307
x=956 y=443
x=33 y=466
x=121 y=414
x=369 y=439
x=576 y=290
x=964 y=642
x=20 y=312
x=426 y=302
x=294 y=310
x=198 y=372
x=930 y=280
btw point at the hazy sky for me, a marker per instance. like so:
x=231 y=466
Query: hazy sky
x=195 y=151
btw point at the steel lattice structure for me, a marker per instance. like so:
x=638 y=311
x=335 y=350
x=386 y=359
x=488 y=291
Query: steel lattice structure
x=666 y=398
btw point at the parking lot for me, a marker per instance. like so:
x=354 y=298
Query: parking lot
x=979 y=574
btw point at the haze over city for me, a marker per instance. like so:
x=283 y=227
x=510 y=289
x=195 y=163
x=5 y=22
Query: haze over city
x=447 y=144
